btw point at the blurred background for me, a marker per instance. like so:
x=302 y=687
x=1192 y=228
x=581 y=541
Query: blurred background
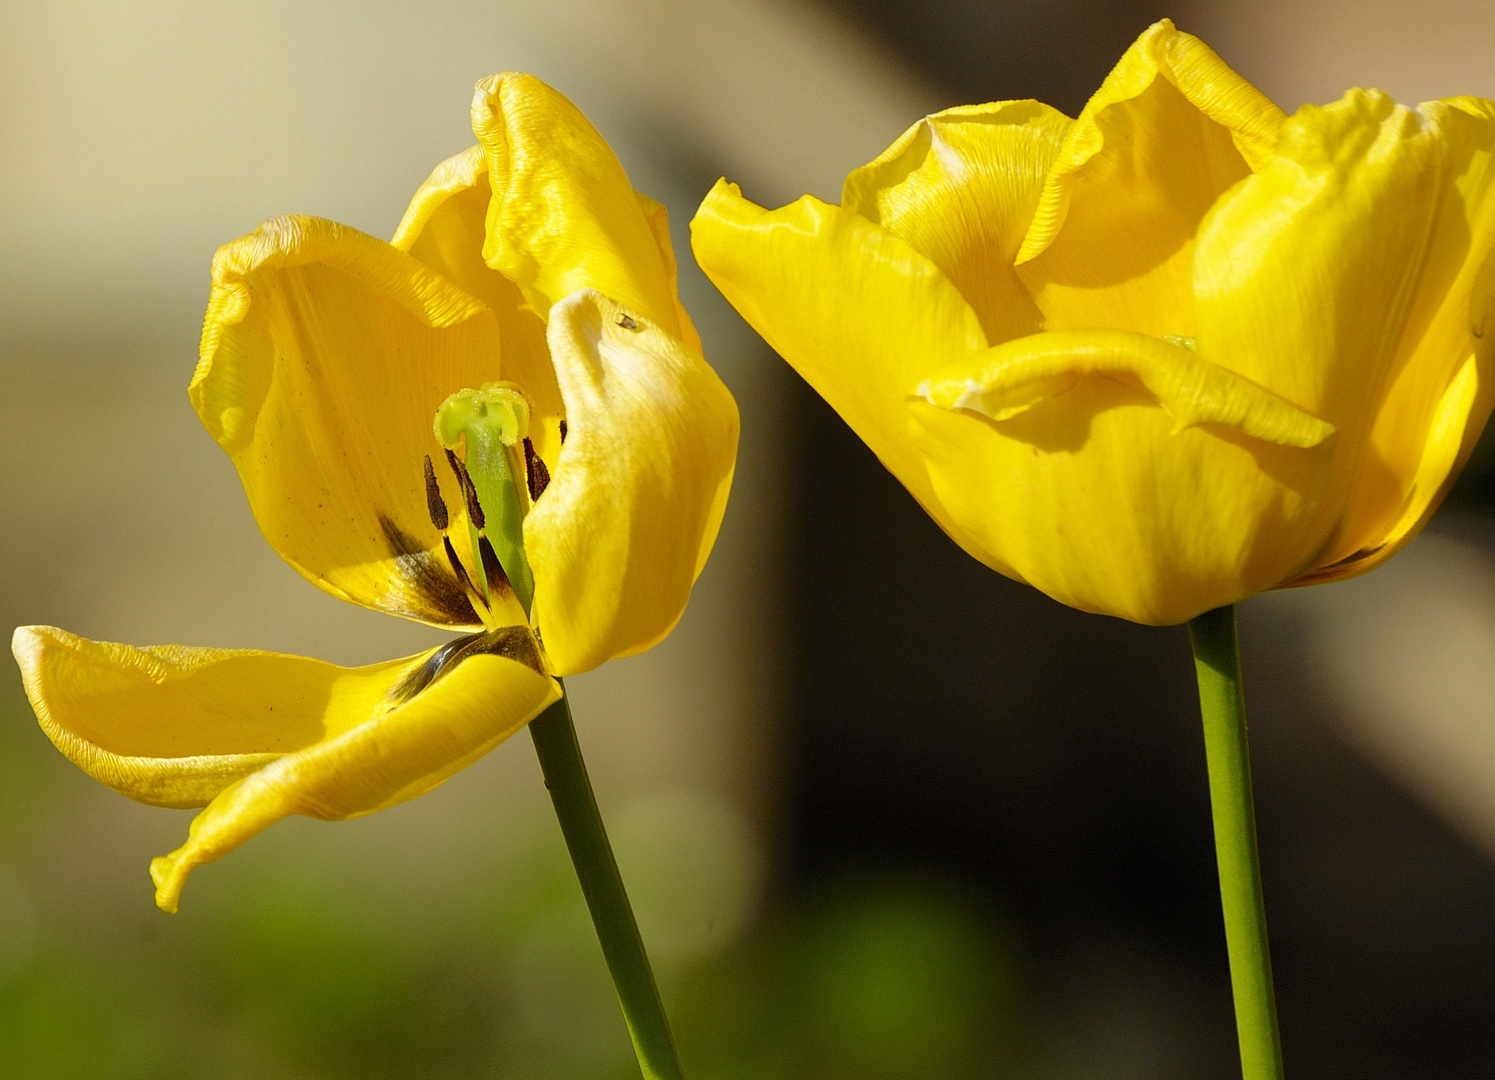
x=844 y=867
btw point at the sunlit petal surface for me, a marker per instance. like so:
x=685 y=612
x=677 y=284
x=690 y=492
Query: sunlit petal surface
x=259 y=736
x=1218 y=349
x=639 y=489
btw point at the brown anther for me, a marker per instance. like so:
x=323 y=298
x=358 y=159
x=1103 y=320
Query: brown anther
x=469 y=493
x=435 y=504
x=535 y=472
x=628 y=322
x=563 y=432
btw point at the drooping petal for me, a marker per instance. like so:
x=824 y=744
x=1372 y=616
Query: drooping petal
x=445 y=227
x=563 y=216
x=961 y=187
x=1121 y=474
x=1111 y=242
x=856 y=310
x=1341 y=277
x=260 y=736
x=325 y=353
x=1441 y=383
x=637 y=493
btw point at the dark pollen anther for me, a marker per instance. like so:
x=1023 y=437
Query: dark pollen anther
x=628 y=322
x=434 y=502
x=535 y=471
x=563 y=432
x=469 y=493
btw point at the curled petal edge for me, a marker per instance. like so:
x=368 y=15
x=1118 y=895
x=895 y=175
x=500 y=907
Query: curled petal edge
x=1016 y=376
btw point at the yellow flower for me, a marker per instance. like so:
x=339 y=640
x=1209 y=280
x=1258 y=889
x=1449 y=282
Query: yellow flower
x=530 y=289
x=1163 y=356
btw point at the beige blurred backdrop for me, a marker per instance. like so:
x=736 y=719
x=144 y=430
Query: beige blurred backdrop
x=138 y=136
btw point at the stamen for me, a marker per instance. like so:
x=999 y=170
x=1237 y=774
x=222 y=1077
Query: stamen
x=458 y=568
x=563 y=433
x=469 y=492
x=435 y=504
x=497 y=579
x=536 y=474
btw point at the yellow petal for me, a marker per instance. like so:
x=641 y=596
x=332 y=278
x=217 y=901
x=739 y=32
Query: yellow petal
x=259 y=736
x=638 y=490
x=1441 y=383
x=1341 y=277
x=961 y=186
x=563 y=216
x=856 y=310
x=1054 y=457
x=1111 y=243
x=445 y=227
x=1020 y=375
x=658 y=219
x=325 y=353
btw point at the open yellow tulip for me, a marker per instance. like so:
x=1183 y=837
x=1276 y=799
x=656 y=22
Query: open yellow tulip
x=1156 y=359
x=528 y=281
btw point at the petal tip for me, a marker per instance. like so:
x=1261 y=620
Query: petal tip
x=169 y=875
x=26 y=644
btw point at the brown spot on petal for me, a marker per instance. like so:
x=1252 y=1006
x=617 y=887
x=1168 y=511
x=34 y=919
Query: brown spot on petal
x=511 y=642
x=445 y=597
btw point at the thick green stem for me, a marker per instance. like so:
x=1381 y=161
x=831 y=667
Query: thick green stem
x=581 y=824
x=1217 y=663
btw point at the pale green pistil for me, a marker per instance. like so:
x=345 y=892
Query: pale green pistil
x=493 y=421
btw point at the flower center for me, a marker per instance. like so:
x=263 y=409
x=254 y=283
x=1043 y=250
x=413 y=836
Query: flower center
x=485 y=434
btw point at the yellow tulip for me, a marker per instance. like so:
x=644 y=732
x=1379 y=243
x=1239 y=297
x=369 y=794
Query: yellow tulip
x=1158 y=358
x=527 y=280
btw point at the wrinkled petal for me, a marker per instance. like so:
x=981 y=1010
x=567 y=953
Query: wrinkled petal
x=1111 y=242
x=1341 y=277
x=259 y=736
x=856 y=310
x=637 y=493
x=325 y=353
x=563 y=216
x=961 y=187
x=1121 y=474
x=445 y=227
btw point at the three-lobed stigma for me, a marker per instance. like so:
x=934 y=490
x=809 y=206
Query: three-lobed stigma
x=499 y=475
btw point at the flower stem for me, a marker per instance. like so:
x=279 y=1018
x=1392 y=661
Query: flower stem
x=586 y=839
x=1217 y=663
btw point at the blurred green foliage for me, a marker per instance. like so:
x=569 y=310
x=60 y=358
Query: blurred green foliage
x=313 y=968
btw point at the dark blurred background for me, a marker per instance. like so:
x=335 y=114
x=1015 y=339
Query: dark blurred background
x=884 y=813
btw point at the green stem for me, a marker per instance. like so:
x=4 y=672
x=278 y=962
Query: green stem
x=1217 y=663
x=581 y=824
